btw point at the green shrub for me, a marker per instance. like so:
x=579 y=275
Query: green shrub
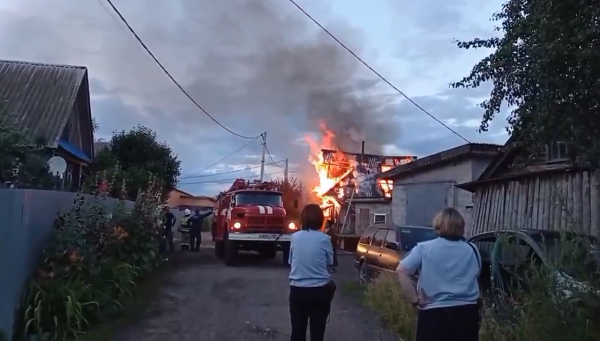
x=90 y=265
x=383 y=296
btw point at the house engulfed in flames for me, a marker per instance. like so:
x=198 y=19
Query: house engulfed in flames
x=348 y=183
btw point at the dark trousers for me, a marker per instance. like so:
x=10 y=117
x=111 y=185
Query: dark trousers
x=167 y=241
x=309 y=304
x=195 y=239
x=458 y=323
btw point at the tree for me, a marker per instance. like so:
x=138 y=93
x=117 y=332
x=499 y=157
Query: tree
x=546 y=68
x=23 y=163
x=292 y=190
x=134 y=158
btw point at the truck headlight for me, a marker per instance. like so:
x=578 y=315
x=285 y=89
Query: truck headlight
x=292 y=226
x=237 y=225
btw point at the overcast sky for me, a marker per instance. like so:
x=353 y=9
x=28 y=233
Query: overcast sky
x=261 y=65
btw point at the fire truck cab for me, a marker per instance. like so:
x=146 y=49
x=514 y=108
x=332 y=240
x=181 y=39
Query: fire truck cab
x=250 y=216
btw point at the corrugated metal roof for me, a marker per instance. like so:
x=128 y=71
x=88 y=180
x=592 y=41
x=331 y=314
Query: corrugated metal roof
x=442 y=157
x=39 y=96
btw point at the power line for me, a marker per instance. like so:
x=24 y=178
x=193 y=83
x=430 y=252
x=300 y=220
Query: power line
x=271 y=157
x=226 y=180
x=171 y=77
x=223 y=159
x=375 y=72
x=229 y=172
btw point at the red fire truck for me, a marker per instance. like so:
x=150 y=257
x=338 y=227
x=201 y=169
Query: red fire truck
x=250 y=216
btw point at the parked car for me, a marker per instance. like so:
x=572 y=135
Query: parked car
x=382 y=246
x=506 y=256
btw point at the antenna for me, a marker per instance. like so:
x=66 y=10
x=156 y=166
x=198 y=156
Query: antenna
x=57 y=165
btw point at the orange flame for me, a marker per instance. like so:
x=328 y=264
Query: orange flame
x=329 y=175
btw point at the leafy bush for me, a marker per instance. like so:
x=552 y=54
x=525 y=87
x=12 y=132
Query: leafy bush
x=90 y=265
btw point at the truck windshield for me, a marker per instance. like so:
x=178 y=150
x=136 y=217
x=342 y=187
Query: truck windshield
x=259 y=198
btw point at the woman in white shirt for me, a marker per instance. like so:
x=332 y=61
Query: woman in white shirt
x=447 y=293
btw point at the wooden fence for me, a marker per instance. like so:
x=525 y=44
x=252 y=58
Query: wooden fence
x=552 y=201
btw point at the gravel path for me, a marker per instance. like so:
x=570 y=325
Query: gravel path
x=208 y=301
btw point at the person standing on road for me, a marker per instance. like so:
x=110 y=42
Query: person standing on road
x=447 y=292
x=311 y=287
x=196 y=229
x=168 y=222
x=330 y=231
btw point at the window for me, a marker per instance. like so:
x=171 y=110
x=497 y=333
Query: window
x=409 y=237
x=514 y=251
x=391 y=237
x=258 y=198
x=485 y=247
x=379 y=218
x=379 y=237
x=367 y=236
x=556 y=151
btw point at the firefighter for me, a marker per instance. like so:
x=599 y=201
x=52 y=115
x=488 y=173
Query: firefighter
x=196 y=229
x=330 y=231
x=184 y=229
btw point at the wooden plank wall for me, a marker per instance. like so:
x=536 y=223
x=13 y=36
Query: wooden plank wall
x=559 y=201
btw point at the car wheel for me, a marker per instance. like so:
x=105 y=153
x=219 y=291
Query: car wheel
x=363 y=273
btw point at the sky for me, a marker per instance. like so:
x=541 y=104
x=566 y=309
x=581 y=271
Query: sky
x=261 y=65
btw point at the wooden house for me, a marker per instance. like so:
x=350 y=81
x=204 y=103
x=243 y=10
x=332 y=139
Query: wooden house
x=545 y=193
x=52 y=103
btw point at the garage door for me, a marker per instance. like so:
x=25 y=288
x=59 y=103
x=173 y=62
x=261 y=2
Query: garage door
x=423 y=201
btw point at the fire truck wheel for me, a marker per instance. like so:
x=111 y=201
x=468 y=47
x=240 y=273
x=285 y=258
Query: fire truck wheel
x=268 y=252
x=219 y=249
x=231 y=252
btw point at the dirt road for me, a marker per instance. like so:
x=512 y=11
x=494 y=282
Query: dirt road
x=209 y=301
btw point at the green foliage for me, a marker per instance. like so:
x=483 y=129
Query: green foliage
x=91 y=265
x=141 y=156
x=546 y=67
x=22 y=162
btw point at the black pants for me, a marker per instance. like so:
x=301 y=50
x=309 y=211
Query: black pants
x=458 y=323
x=310 y=304
x=195 y=239
x=166 y=243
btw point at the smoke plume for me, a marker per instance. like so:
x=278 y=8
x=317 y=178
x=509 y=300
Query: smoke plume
x=296 y=76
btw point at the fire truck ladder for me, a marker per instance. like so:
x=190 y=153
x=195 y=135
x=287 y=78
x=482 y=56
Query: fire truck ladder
x=344 y=223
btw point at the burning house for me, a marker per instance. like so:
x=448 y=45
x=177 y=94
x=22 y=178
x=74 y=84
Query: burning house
x=349 y=188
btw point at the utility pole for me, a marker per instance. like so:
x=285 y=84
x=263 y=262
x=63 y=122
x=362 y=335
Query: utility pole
x=262 y=160
x=285 y=171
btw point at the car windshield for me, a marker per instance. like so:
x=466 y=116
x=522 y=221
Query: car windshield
x=576 y=255
x=258 y=198
x=410 y=236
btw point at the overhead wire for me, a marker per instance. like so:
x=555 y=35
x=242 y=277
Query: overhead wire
x=229 y=172
x=221 y=160
x=137 y=37
x=227 y=180
x=271 y=156
x=375 y=71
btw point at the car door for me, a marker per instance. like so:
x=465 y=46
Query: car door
x=485 y=245
x=364 y=244
x=374 y=258
x=510 y=261
x=390 y=255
